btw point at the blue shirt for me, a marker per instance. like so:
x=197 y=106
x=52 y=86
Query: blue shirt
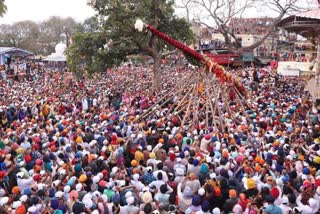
x=148 y=178
x=272 y=209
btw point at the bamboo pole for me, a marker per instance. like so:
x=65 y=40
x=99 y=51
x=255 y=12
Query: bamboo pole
x=173 y=91
x=238 y=99
x=150 y=110
x=227 y=106
x=196 y=109
x=207 y=113
x=188 y=107
x=182 y=102
x=219 y=111
x=183 y=99
x=202 y=100
x=182 y=108
x=195 y=94
x=185 y=102
x=214 y=118
x=214 y=94
x=239 y=94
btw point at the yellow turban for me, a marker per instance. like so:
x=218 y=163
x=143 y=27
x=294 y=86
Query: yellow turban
x=82 y=178
x=79 y=140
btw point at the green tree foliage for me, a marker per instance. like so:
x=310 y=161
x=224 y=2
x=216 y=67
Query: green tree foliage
x=90 y=25
x=3 y=8
x=117 y=18
x=88 y=52
x=59 y=29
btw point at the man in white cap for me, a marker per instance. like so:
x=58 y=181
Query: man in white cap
x=23 y=183
x=4 y=201
x=285 y=205
x=130 y=207
x=179 y=167
x=136 y=183
x=80 y=191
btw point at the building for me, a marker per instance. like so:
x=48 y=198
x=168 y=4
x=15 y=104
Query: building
x=249 y=30
x=201 y=33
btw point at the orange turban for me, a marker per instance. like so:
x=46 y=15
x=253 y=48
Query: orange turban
x=15 y=190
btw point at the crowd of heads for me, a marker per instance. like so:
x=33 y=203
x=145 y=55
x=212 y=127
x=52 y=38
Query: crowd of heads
x=20 y=68
x=72 y=145
x=211 y=44
x=254 y=26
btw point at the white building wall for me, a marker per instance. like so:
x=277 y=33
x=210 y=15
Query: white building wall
x=248 y=39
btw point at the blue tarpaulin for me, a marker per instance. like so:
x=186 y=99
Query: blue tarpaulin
x=7 y=52
x=14 y=51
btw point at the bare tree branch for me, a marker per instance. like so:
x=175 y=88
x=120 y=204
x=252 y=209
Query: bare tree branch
x=168 y=53
x=221 y=12
x=185 y=5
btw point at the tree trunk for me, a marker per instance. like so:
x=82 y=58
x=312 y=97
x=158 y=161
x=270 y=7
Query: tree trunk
x=265 y=36
x=227 y=40
x=238 y=42
x=156 y=73
x=67 y=39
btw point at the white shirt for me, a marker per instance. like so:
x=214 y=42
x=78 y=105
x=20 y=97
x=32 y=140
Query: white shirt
x=129 y=209
x=201 y=212
x=95 y=102
x=85 y=105
x=24 y=183
x=25 y=145
x=164 y=175
x=156 y=184
x=138 y=185
x=285 y=209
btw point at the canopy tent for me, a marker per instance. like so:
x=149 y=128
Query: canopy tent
x=312 y=14
x=55 y=58
x=9 y=52
x=15 y=51
x=306 y=23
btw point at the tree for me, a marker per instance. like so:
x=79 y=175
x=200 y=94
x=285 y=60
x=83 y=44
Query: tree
x=88 y=52
x=185 y=4
x=3 y=8
x=117 y=18
x=7 y=37
x=55 y=30
x=26 y=33
x=22 y=34
x=90 y=25
x=220 y=13
x=40 y=38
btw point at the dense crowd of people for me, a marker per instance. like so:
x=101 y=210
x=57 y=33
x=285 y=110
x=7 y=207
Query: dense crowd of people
x=254 y=26
x=20 y=68
x=79 y=146
x=211 y=44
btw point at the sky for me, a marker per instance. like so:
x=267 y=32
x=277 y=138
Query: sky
x=260 y=9
x=40 y=10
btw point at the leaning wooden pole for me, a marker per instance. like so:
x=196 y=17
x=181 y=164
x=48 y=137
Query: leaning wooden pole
x=188 y=108
x=213 y=110
x=210 y=65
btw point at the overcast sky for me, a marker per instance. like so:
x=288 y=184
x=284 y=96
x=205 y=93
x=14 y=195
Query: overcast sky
x=39 y=10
